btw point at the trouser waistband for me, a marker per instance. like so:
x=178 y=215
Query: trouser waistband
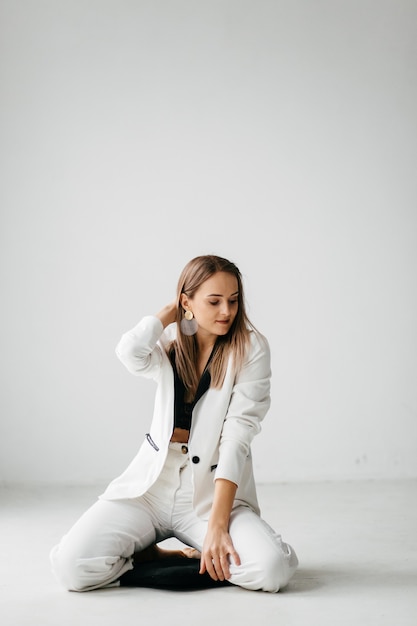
x=178 y=447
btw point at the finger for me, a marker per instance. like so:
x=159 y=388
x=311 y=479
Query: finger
x=211 y=569
x=224 y=562
x=202 y=566
x=208 y=566
x=235 y=557
x=218 y=566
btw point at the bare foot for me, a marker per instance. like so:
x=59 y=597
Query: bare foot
x=191 y=553
x=155 y=553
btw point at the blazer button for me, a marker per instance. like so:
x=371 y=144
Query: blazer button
x=196 y=459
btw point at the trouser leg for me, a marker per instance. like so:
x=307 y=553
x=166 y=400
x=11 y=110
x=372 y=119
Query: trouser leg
x=267 y=563
x=99 y=547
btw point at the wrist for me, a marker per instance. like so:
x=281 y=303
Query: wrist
x=168 y=314
x=219 y=523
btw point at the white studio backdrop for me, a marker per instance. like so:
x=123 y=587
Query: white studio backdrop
x=136 y=135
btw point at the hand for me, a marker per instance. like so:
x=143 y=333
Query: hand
x=168 y=314
x=217 y=551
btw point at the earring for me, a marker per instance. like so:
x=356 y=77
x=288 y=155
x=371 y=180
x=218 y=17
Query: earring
x=189 y=324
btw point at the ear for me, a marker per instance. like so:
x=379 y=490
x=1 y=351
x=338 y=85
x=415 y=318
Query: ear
x=184 y=301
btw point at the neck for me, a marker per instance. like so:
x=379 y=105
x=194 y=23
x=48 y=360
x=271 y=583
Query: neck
x=205 y=346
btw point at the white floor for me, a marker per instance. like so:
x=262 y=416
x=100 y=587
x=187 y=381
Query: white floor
x=355 y=541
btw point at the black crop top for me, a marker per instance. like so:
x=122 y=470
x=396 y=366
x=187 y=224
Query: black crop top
x=183 y=411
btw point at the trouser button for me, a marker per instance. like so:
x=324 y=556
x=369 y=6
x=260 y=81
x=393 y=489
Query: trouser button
x=184 y=449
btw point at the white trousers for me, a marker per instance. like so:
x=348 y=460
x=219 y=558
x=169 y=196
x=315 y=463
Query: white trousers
x=99 y=548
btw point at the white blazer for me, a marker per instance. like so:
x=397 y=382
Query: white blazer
x=223 y=425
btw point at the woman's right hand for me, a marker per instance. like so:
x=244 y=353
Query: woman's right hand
x=168 y=314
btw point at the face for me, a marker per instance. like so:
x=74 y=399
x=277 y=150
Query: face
x=214 y=304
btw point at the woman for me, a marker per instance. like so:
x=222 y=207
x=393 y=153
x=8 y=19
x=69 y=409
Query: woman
x=192 y=478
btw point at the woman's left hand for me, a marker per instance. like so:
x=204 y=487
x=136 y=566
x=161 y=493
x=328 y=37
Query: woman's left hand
x=217 y=551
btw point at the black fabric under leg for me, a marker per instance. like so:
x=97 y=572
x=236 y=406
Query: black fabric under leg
x=176 y=574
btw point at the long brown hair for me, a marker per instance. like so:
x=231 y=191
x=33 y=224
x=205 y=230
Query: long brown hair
x=235 y=343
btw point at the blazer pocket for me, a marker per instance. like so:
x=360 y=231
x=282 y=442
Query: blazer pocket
x=151 y=442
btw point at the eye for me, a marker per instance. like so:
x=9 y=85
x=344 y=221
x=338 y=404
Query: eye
x=214 y=302
x=233 y=301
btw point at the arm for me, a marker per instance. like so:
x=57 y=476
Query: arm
x=138 y=350
x=249 y=403
x=218 y=543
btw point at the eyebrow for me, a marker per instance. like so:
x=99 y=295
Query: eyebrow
x=220 y=295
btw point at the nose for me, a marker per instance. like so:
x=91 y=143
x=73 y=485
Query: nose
x=225 y=309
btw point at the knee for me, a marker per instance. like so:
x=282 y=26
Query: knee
x=278 y=569
x=63 y=568
x=270 y=573
x=67 y=569
x=79 y=573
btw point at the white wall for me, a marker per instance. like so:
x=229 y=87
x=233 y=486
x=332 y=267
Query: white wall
x=138 y=134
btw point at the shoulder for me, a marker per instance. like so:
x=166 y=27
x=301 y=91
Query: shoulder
x=257 y=362
x=258 y=345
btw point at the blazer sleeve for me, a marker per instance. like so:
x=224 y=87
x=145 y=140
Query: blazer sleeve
x=249 y=403
x=138 y=349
